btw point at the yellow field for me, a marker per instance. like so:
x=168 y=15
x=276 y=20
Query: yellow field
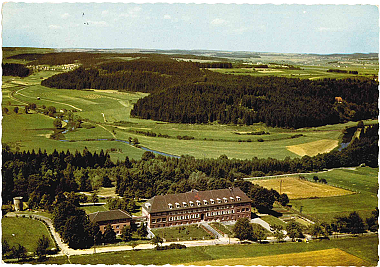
x=313 y=148
x=296 y=188
x=328 y=257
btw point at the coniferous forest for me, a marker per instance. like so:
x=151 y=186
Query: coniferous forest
x=185 y=92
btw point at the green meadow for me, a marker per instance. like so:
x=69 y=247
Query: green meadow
x=14 y=230
x=363 y=181
x=364 y=247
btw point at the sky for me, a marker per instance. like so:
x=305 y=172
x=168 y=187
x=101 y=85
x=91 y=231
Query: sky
x=286 y=28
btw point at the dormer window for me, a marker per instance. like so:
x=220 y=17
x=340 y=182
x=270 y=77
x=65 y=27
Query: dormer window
x=147 y=205
x=170 y=205
x=212 y=201
x=232 y=199
x=225 y=200
x=205 y=202
x=177 y=205
x=184 y=204
x=198 y=203
x=191 y=203
x=219 y=200
x=237 y=198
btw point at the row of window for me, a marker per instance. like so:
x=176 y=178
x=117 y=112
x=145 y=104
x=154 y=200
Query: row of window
x=205 y=202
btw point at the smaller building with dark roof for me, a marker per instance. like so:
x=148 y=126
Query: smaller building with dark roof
x=118 y=219
x=196 y=206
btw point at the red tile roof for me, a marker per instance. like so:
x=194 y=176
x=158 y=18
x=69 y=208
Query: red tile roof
x=161 y=203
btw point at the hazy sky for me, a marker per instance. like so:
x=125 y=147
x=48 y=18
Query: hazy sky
x=237 y=27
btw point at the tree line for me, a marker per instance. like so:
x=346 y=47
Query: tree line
x=12 y=69
x=39 y=177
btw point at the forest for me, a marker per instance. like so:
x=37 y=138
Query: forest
x=186 y=92
x=19 y=70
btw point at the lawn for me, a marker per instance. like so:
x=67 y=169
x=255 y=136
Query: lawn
x=221 y=227
x=271 y=220
x=291 y=186
x=364 y=247
x=364 y=180
x=182 y=233
x=92 y=209
x=24 y=231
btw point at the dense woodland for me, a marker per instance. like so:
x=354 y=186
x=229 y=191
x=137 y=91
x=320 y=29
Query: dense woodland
x=19 y=70
x=181 y=92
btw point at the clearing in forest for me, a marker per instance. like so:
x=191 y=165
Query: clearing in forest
x=327 y=257
x=314 y=148
x=296 y=188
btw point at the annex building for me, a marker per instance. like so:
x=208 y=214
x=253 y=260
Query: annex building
x=197 y=206
x=118 y=219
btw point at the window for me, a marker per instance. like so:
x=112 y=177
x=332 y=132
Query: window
x=159 y=220
x=177 y=205
x=191 y=203
x=238 y=198
x=225 y=200
x=163 y=219
x=219 y=200
x=205 y=202
x=153 y=221
x=184 y=204
x=212 y=201
x=232 y=199
x=170 y=206
x=117 y=226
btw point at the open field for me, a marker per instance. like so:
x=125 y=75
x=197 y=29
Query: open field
x=296 y=188
x=328 y=257
x=272 y=220
x=364 y=247
x=24 y=231
x=363 y=179
x=314 y=148
x=92 y=209
x=182 y=233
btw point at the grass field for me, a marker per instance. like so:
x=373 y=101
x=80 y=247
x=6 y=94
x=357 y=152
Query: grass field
x=328 y=257
x=314 y=148
x=24 y=231
x=296 y=188
x=363 y=179
x=221 y=227
x=364 y=247
x=272 y=220
x=182 y=233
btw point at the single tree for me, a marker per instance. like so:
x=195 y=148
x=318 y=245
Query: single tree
x=5 y=110
x=356 y=224
x=294 y=230
x=109 y=235
x=258 y=232
x=57 y=123
x=126 y=233
x=135 y=141
x=5 y=247
x=133 y=245
x=142 y=231
x=243 y=229
x=15 y=110
x=278 y=232
x=94 y=197
x=316 y=230
x=42 y=246
x=156 y=240
x=283 y=199
x=315 y=178
x=19 y=252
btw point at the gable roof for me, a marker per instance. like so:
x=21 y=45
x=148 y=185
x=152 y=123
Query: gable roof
x=161 y=203
x=110 y=215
